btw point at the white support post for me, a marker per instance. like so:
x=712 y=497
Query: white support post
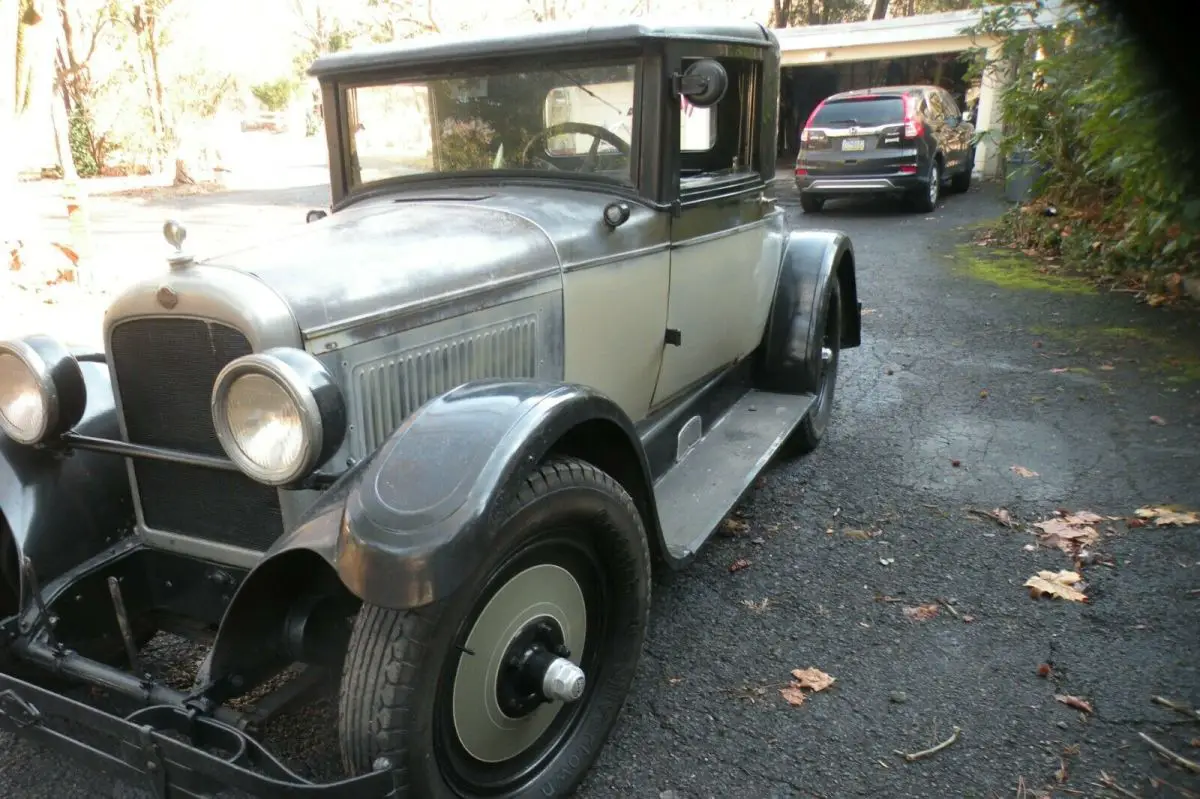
x=987 y=117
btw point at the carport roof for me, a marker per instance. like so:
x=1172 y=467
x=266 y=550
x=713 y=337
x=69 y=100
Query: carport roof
x=889 y=38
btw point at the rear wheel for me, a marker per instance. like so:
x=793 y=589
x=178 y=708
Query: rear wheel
x=811 y=430
x=811 y=204
x=924 y=200
x=508 y=687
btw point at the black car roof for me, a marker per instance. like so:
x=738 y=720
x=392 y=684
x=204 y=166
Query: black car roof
x=882 y=91
x=545 y=38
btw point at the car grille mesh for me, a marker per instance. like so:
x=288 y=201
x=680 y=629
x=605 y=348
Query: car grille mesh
x=165 y=369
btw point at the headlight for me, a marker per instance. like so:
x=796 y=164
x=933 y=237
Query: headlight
x=278 y=414
x=42 y=394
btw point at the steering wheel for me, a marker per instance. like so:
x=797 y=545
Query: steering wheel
x=597 y=133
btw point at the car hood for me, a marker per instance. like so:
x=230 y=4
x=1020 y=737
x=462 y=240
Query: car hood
x=393 y=255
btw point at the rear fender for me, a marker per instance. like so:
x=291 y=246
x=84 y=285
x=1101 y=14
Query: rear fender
x=791 y=346
x=59 y=510
x=407 y=526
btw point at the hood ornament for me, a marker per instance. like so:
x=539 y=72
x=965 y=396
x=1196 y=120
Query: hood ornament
x=175 y=233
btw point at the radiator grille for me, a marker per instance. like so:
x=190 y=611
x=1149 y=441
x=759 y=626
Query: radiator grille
x=388 y=389
x=165 y=369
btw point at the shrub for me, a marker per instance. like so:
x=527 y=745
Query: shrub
x=1084 y=103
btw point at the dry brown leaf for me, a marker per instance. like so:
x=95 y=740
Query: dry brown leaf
x=1058 y=584
x=757 y=607
x=1074 y=701
x=812 y=679
x=1158 y=420
x=1021 y=471
x=793 y=695
x=922 y=612
x=738 y=565
x=1166 y=517
x=732 y=527
x=1067 y=536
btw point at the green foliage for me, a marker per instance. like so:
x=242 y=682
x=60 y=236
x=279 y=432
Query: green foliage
x=1086 y=107
x=275 y=95
x=88 y=162
x=465 y=145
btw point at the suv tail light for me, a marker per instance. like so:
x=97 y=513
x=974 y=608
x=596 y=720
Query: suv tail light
x=912 y=126
x=806 y=134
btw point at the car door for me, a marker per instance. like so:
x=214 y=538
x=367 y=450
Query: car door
x=958 y=131
x=726 y=238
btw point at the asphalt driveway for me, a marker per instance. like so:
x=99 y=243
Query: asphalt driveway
x=970 y=367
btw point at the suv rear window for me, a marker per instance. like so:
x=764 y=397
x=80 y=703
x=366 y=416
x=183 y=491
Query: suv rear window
x=860 y=113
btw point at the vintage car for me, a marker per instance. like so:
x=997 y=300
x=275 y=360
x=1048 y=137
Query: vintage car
x=432 y=442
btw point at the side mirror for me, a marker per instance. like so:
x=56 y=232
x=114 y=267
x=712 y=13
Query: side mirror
x=703 y=83
x=967 y=115
x=313 y=216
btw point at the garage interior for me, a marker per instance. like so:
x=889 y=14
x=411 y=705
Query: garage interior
x=803 y=87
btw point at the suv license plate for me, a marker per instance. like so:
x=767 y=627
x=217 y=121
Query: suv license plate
x=853 y=145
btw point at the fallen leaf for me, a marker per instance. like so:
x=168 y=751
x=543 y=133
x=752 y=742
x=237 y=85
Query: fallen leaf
x=738 y=565
x=757 y=607
x=861 y=535
x=812 y=679
x=983 y=394
x=793 y=695
x=1068 y=534
x=1158 y=420
x=1074 y=701
x=1061 y=773
x=1194 y=743
x=1023 y=472
x=968 y=619
x=955 y=463
x=1057 y=584
x=998 y=515
x=733 y=527
x=922 y=612
x=1166 y=517
x=1044 y=670
x=1059 y=370
x=674 y=680
x=1107 y=367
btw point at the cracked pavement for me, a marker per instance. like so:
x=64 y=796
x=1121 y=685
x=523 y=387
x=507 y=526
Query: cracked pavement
x=705 y=718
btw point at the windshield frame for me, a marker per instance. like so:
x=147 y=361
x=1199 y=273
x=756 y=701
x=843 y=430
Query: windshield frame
x=336 y=104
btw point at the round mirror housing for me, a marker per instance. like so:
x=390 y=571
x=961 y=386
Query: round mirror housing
x=704 y=83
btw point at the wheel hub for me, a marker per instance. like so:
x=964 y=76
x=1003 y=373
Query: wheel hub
x=511 y=670
x=535 y=670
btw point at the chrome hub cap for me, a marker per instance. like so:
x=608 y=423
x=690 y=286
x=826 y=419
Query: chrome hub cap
x=519 y=668
x=934 y=177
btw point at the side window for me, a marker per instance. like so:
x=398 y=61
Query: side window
x=951 y=106
x=719 y=141
x=937 y=112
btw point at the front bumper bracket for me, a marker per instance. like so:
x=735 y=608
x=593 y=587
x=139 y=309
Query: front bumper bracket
x=175 y=752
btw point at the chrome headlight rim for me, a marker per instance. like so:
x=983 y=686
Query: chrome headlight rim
x=311 y=390
x=60 y=385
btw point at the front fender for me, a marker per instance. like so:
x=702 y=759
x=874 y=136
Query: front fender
x=791 y=344
x=61 y=510
x=403 y=528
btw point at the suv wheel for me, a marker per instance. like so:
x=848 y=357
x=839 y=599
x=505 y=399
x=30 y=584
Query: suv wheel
x=811 y=204
x=925 y=199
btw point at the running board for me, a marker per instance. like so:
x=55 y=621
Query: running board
x=714 y=471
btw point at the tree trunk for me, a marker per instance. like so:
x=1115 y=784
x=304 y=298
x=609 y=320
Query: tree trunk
x=880 y=10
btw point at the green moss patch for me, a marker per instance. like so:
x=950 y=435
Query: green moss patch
x=1014 y=271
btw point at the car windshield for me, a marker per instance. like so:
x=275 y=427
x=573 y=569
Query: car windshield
x=860 y=113
x=574 y=120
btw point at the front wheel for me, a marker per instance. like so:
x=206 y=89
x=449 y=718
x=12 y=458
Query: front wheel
x=508 y=687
